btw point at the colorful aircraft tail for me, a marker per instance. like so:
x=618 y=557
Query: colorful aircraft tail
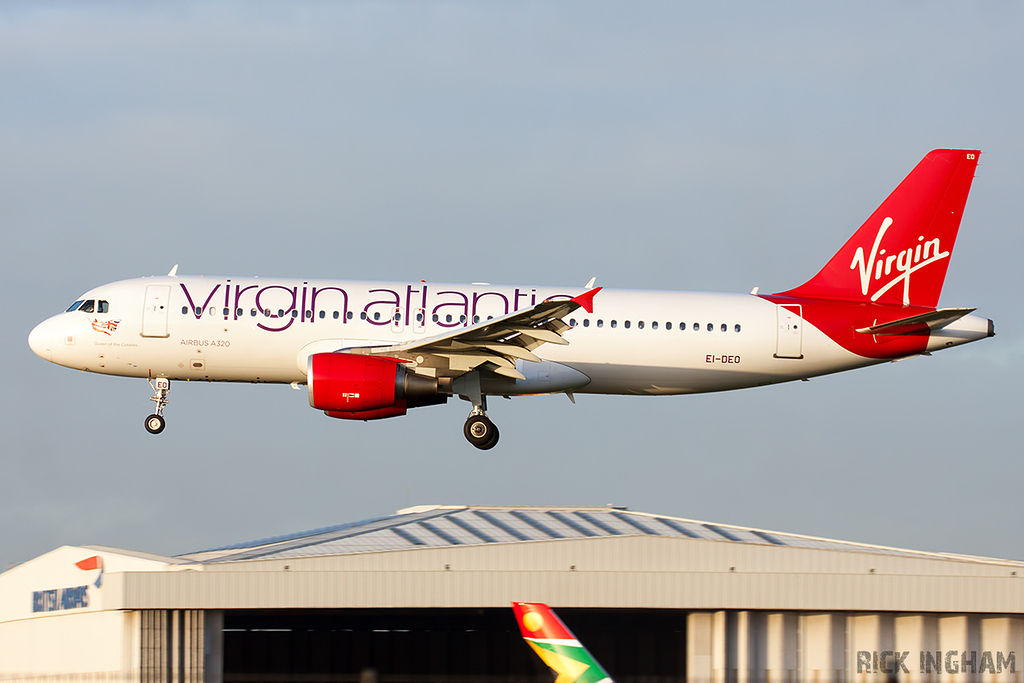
x=556 y=645
x=900 y=255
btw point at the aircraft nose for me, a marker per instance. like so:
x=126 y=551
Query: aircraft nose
x=43 y=338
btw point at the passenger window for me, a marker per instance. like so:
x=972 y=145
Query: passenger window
x=226 y=312
x=626 y=324
x=668 y=326
x=198 y=311
x=476 y=319
x=239 y=312
x=102 y=306
x=184 y=310
x=654 y=325
x=448 y=318
x=725 y=328
x=362 y=315
x=252 y=312
x=462 y=318
x=213 y=311
x=77 y=304
x=280 y=313
x=323 y=314
x=419 y=317
x=572 y=322
x=398 y=317
x=266 y=312
x=696 y=327
x=600 y=323
x=335 y=315
x=737 y=327
x=295 y=314
x=682 y=326
x=88 y=307
x=640 y=325
x=376 y=316
x=586 y=322
x=434 y=317
x=615 y=323
x=711 y=327
x=348 y=316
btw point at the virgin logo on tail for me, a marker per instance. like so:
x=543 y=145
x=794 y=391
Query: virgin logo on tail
x=904 y=262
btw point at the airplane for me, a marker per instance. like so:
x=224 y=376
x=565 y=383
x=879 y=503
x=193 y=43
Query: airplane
x=556 y=645
x=374 y=350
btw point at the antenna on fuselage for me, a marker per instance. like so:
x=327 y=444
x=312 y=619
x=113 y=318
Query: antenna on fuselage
x=174 y=271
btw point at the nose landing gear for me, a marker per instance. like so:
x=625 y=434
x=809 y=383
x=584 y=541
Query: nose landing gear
x=155 y=423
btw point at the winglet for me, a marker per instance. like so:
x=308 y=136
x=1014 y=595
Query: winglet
x=586 y=299
x=174 y=271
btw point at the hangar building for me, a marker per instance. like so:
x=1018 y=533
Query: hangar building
x=423 y=595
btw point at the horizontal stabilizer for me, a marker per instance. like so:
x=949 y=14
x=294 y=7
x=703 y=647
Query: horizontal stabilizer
x=918 y=324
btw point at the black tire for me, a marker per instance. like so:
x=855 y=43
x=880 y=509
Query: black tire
x=155 y=424
x=481 y=432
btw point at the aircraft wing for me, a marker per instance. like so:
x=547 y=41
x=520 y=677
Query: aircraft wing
x=499 y=341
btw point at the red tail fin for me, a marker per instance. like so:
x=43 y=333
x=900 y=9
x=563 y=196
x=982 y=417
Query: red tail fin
x=900 y=254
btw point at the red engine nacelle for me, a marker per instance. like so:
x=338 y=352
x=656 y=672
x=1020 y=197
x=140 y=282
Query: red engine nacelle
x=353 y=387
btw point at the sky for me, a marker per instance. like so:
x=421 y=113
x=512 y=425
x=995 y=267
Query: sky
x=654 y=145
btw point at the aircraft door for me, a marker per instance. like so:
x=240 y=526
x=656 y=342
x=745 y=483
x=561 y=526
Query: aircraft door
x=156 y=310
x=789 y=342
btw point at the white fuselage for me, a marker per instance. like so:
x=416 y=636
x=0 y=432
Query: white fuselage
x=264 y=330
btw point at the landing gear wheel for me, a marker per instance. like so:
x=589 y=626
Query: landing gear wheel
x=481 y=432
x=155 y=424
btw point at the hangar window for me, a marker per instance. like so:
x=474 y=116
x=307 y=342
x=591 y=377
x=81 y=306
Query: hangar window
x=78 y=303
x=88 y=307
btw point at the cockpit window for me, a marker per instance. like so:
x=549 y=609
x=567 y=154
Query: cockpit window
x=102 y=306
x=88 y=307
x=74 y=306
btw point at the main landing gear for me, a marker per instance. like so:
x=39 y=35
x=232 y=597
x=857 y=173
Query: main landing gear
x=480 y=431
x=155 y=423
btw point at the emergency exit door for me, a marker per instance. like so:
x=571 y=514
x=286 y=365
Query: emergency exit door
x=790 y=331
x=154 y=315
